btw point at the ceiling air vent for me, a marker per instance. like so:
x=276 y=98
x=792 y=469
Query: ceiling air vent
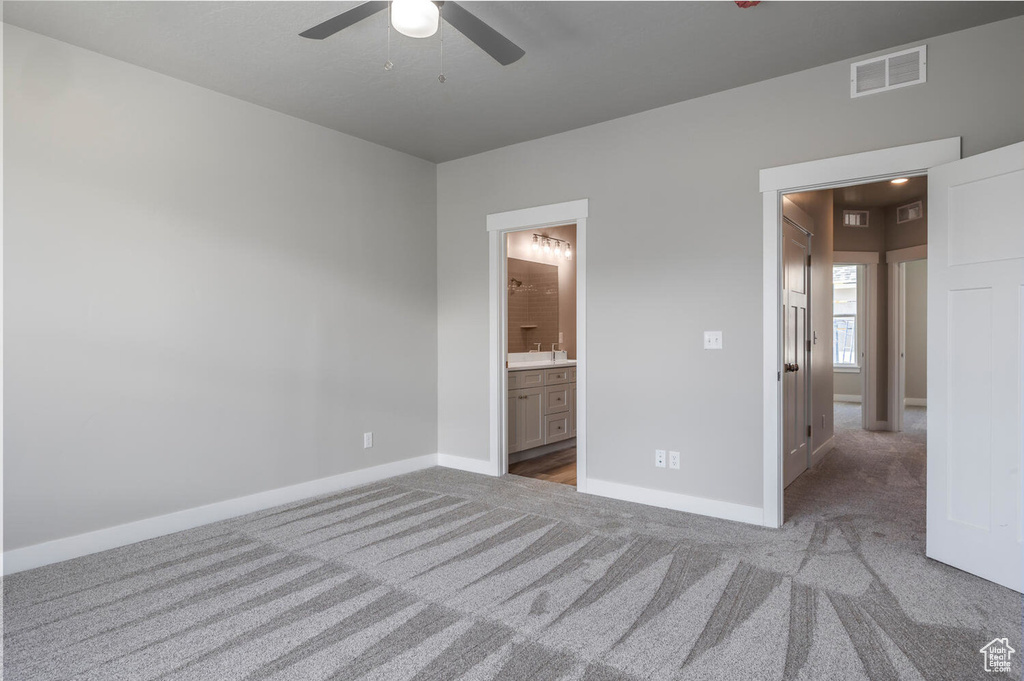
x=855 y=218
x=889 y=72
x=911 y=211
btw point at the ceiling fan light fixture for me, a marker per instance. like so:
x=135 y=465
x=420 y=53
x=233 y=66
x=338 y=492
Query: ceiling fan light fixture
x=415 y=18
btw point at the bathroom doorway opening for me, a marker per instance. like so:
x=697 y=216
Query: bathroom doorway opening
x=538 y=342
x=540 y=311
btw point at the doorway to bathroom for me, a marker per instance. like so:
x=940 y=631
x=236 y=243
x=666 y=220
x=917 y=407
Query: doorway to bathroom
x=538 y=343
x=540 y=265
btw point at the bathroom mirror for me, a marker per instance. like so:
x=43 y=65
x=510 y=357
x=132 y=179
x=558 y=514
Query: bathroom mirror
x=532 y=305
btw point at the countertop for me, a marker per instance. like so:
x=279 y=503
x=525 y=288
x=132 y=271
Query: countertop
x=542 y=365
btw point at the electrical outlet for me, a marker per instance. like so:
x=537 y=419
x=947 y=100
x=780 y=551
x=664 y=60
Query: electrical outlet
x=673 y=460
x=659 y=458
x=367 y=440
x=712 y=340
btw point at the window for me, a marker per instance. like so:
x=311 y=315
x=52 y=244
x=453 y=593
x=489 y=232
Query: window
x=844 y=316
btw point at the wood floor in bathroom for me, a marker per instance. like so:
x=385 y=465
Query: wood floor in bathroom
x=554 y=467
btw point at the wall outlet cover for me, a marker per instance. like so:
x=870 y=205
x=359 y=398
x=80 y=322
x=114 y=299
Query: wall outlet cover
x=673 y=460
x=367 y=440
x=712 y=340
x=659 y=458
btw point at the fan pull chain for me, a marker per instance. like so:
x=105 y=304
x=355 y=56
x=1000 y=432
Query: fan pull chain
x=440 y=20
x=388 y=65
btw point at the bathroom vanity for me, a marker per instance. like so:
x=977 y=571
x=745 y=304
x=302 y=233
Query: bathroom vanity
x=541 y=404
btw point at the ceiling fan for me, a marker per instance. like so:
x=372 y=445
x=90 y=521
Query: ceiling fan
x=419 y=19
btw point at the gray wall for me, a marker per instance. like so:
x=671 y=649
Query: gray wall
x=203 y=298
x=681 y=183
x=846 y=383
x=916 y=329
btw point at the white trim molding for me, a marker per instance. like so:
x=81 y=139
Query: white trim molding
x=907 y=254
x=539 y=216
x=862 y=168
x=726 y=510
x=847 y=398
x=915 y=401
x=828 y=173
x=498 y=225
x=897 y=366
x=79 y=545
x=823 y=449
x=462 y=463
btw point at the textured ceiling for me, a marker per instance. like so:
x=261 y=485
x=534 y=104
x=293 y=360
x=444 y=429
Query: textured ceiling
x=585 y=62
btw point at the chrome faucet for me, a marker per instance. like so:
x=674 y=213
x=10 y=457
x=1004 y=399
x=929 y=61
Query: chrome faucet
x=553 y=347
x=538 y=347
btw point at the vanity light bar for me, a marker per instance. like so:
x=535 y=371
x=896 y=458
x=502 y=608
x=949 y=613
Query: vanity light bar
x=545 y=242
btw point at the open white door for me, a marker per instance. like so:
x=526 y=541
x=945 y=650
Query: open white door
x=976 y=364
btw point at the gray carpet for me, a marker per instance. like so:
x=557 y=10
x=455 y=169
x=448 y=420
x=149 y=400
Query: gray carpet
x=448 y=575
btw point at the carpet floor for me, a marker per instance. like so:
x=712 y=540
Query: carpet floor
x=442 y=574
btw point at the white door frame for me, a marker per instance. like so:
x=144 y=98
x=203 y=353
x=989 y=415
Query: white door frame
x=498 y=226
x=840 y=171
x=867 y=336
x=897 y=329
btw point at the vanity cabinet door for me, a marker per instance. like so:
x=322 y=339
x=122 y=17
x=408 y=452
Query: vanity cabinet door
x=514 y=436
x=530 y=417
x=572 y=408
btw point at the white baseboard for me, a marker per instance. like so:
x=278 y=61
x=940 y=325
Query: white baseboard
x=915 y=401
x=79 y=545
x=725 y=510
x=462 y=463
x=826 y=447
x=846 y=398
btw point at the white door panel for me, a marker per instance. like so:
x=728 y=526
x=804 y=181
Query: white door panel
x=796 y=248
x=975 y=372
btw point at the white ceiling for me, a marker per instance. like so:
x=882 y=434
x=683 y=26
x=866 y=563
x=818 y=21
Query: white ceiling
x=585 y=62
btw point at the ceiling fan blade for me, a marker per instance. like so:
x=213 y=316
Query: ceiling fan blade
x=344 y=20
x=486 y=38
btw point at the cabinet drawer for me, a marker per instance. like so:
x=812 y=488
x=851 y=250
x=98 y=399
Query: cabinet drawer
x=525 y=379
x=556 y=399
x=556 y=427
x=555 y=376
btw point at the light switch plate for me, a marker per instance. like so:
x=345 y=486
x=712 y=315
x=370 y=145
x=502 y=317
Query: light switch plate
x=367 y=440
x=712 y=340
x=673 y=460
x=659 y=458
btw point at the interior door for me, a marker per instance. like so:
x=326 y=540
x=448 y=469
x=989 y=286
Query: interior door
x=796 y=249
x=975 y=376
